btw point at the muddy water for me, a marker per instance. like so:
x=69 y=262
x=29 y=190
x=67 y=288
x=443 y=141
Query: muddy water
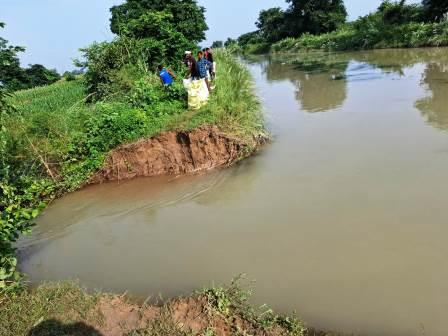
x=343 y=218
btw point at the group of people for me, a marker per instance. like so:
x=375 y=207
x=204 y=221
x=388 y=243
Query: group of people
x=201 y=68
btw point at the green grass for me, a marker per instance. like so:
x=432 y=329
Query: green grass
x=49 y=310
x=53 y=122
x=55 y=309
x=376 y=35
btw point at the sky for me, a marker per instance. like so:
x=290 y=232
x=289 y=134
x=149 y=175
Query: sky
x=53 y=30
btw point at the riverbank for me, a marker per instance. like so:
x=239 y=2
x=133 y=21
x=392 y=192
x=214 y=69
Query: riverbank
x=67 y=309
x=55 y=142
x=412 y=35
x=370 y=32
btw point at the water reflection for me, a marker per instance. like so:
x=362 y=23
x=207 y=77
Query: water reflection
x=320 y=85
x=434 y=108
x=321 y=78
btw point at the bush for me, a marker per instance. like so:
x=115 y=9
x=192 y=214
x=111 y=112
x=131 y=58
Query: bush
x=257 y=48
x=69 y=76
x=111 y=125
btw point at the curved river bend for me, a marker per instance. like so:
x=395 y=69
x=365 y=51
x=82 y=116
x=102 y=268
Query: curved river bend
x=343 y=218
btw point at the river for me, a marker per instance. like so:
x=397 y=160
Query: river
x=343 y=218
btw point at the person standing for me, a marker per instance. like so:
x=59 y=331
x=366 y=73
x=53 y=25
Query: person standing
x=203 y=65
x=192 y=66
x=209 y=56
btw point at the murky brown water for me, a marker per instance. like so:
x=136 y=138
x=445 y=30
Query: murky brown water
x=344 y=218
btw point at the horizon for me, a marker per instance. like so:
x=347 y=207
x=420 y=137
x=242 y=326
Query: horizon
x=56 y=48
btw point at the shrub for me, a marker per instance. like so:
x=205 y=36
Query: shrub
x=111 y=125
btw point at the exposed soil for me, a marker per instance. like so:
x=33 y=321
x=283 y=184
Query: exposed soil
x=175 y=153
x=185 y=316
x=190 y=315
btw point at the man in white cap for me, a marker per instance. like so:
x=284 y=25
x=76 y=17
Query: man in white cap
x=190 y=63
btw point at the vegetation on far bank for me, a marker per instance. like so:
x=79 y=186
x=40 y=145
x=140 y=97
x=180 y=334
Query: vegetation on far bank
x=53 y=138
x=311 y=24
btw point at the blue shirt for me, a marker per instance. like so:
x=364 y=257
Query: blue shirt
x=166 y=77
x=203 y=65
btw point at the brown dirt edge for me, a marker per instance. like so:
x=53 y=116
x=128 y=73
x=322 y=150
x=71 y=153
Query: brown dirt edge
x=64 y=308
x=176 y=153
x=114 y=315
x=183 y=316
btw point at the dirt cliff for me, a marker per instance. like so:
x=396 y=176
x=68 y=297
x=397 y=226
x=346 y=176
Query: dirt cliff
x=175 y=153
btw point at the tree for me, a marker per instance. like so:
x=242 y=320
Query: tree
x=271 y=23
x=38 y=75
x=13 y=77
x=230 y=42
x=435 y=10
x=217 y=44
x=250 y=38
x=399 y=12
x=186 y=15
x=11 y=74
x=314 y=16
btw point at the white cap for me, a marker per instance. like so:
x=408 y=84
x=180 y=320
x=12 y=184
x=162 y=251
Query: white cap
x=188 y=52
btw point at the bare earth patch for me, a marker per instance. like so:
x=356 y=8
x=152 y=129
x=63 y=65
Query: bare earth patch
x=175 y=153
x=65 y=309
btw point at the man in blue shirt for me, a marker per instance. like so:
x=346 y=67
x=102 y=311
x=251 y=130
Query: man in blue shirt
x=166 y=76
x=203 y=66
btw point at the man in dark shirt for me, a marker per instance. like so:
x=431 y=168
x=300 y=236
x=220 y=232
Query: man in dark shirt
x=191 y=64
x=209 y=56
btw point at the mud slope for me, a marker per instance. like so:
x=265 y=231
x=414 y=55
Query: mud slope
x=174 y=153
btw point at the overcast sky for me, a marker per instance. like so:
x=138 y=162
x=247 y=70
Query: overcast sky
x=54 y=30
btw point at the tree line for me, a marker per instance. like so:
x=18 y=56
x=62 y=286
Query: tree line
x=323 y=16
x=13 y=77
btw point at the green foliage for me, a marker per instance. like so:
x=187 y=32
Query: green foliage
x=272 y=25
x=69 y=76
x=250 y=38
x=252 y=43
x=233 y=300
x=38 y=75
x=394 y=25
x=394 y=13
x=230 y=42
x=314 y=16
x=10 y=72
x=109 y=126
x=435 y=10
x=217 y=44
x=188 y=18
x=150 y=96
x=257 y=48
x=19 y=205
x=302 y=17
x=147 y=38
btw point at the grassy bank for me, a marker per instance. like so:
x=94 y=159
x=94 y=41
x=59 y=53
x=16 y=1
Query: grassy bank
x=66 y=309
x=375 y=36
x=54 y=138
